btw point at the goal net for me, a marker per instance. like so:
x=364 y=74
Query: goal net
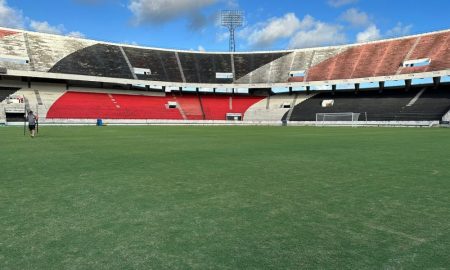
x=333 y=118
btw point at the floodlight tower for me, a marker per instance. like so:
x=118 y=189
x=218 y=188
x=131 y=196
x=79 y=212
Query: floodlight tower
x=232 y=19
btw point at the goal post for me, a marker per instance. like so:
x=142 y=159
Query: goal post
x=337 y=118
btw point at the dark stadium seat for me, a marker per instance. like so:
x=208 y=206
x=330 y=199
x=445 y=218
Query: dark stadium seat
x=202 y=67
x=6 y=92
x=246 y=63
x=390 y=105
x=97 y=60
x=432 y=104
x=163 y=64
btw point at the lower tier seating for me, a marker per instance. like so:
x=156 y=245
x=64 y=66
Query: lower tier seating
x=217 y=107
x=6 y=92
x=389 y=105
x=79 y=105
x=191 y=106
x=84 y=105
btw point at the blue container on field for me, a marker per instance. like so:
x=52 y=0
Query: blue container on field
x=99 y=122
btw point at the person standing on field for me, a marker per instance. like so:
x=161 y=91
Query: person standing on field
x=32 y=119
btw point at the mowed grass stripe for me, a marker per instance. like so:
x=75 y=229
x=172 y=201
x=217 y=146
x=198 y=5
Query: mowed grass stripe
x=224 y=198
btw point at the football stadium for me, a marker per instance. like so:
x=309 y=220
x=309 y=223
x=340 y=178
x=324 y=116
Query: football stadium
x=326 y=157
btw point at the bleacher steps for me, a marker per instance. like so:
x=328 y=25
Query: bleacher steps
x=294 y=101
x=201 y=107
x=416 y=98
x=2 y=114
x=128 y=63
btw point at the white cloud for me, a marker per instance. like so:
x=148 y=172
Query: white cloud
x=399 y=30
x=45 y=27
x=265 y=34
x=370 y=34
x=307 y=32
x=220 y=37
x=14 y=18
x=340 y=3
x=134 y=43
x=319 y=34
x=355 y=17
x=10 y=17
x=232 y=4
x=160 y=11
x=76 y=34
x=201 y=48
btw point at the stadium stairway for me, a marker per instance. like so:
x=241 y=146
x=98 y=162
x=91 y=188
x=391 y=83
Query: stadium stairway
x=274 y=110
x=217 y=107
x=432 y=104
x=4 y=93
x=190 y=105
x=2 y=114
x=42 y=96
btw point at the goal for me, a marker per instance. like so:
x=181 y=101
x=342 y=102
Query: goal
x=337 y=118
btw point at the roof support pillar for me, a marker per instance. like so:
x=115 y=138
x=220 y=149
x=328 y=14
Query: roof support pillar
x=381 y=86
x=436 y=81
x=408 y=84
x=357 y=87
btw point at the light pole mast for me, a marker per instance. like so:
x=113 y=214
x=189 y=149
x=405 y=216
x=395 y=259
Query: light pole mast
x=232 y=19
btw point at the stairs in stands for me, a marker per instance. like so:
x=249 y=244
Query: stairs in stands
x=190 y=107
x=2 y=114
x=292 y=108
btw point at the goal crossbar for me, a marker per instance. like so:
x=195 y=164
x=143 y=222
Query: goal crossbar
x=333 y=118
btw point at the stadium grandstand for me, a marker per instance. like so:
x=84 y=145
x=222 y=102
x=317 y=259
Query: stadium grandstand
x=402 y=81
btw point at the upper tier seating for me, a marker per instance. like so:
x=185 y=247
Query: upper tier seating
x=375 y=59
x=162 y=64
x=4 y=33
x=245 y=64
x=60 y=54
x=390 y=105
x=97 y=60
x=202 y=68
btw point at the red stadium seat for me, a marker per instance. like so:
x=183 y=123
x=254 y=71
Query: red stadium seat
x=78 y=105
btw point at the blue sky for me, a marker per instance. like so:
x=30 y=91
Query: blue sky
x=191 y=24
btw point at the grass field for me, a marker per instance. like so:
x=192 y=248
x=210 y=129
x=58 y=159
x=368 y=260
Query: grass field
x=225 y=198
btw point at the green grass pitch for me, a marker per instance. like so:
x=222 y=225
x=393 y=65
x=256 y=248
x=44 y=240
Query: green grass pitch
x=225 y=198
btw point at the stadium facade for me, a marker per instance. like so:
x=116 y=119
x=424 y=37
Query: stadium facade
x=71 y=80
